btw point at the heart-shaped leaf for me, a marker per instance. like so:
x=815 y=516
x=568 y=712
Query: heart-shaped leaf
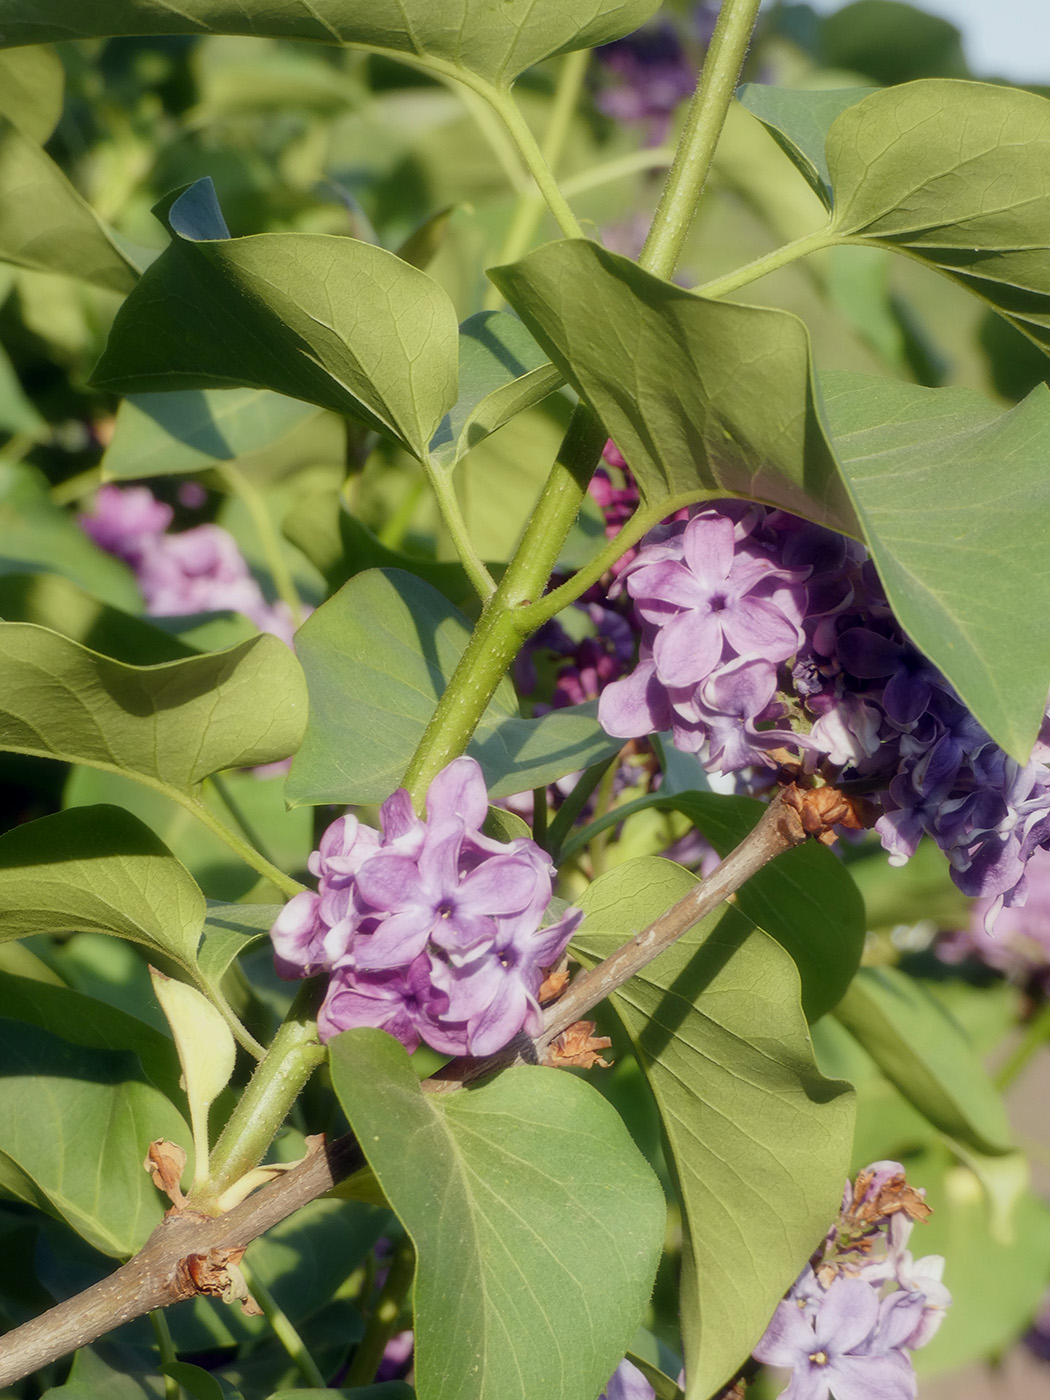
x=759 y=1140
x=377 y=656
x=535 y=1220
x=316 y=317
x=798 y=119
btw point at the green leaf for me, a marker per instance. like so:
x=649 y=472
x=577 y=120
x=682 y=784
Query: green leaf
x=17 y=414
x=385 y=1390
x=321 y=318
x=502 y=371
x=36 y=535
x=954 y=174
x=703 y=398
x=75 y=1124
x=376 y=658
x=188 y=431
x=31 y=91
x=169 y=725
x=537 y=1224
x=891 y=42
x=49 y=600
x=98 y=870
x=758 y=1139
x=496 y=43
x=44 y=223
x=924 y=1053
x=229 y=930
x=805 y=899
x=201 y=1384
x=798 y=121
x=954 y=500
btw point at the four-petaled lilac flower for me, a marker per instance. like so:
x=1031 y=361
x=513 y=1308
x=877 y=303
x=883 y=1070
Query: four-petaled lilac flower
x=430 y=930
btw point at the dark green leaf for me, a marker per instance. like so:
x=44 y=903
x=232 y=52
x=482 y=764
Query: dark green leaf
x=953 y=173
x=75 y=1124
x=537 y=1224
x=377 y=657
x=924 y=1053
x=954 y=499
x=703 y=398
x=891 y=42
x=385 y=1390
x=44 y=223
x=201 y=1384
x=229 y=930
x=759 y=1140
x=316 y=317
x=798 y=120
x=187 y=431
x=171 y=724
x=495 y=43
x=502 y=371
x=17 y=414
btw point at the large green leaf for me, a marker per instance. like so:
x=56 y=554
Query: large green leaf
x=31 y=89
x=953 y=173
x=496 y=42
x=326 y=319
x=703 y=398
x=44 y=223
x=954 y=498
x=376 y=657
x=926 y=1055
x=187 y=431
x=75 y=1123
x=537 y=1223
x=798 y=119
x=502 y=371
x=759 y=1140
x=169 y=725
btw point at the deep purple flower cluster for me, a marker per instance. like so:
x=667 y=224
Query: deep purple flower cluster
x=651 y=74
x=196 y=570
x=429 y=930
x=760 y=631
x=862 y=1304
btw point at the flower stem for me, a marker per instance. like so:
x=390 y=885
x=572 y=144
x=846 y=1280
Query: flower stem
x=247 y=852
x=283 y=1328
x=703 y=127
x=268 y=538
x=383 y=1322
x=505 y=107
x=166 y=1351
x=769 y=262
x=481 y=580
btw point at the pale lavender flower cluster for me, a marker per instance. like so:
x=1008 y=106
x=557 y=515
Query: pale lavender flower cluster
x=429 y=930
x=192 y=571
x=760 y=631
x=862 y=1304
x=1020 y=946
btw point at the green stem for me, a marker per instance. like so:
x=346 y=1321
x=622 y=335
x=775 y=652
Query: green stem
x=703 y=127
x=509 y=112
x=769 y=262
x=573 y=805
x=284 y=1329
x=481 y=580
x=74 y=488
x=476 y=100
x=237 y=812
x=1036 y=1034
x=247 y=853
x=166 y=1351
x=636 y=163
x=383 y=1322
x=506 y=618
x=272 y=1090
x=268 y=538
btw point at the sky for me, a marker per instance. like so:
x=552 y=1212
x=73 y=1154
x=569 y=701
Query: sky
x=1002 y=38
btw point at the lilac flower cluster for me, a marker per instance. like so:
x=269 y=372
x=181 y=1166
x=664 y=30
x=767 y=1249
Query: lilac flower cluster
x=761 y=632
x=1020 y=947
x=429 y=930
x=650 y=75
x=862 y=1304
x=196 y=570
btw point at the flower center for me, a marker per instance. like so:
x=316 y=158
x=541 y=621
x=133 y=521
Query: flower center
x=819 y=1358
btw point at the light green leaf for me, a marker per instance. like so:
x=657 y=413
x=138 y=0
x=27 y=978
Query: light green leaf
x=495 y=42
x=36 y=535
x=31 y=91
x=75 y=1124
x=377 y=656
x=169 y=725
x=798 y=120
x=703 y=398
x=98 y=870
x=954 y=500
x=44 y=223
x=188 y=431
x=321 y=318
x=229 y=930
x=537 y=1223
x=758 y=1139
x=502 y=371
x=953 y=173
x=924 y=1053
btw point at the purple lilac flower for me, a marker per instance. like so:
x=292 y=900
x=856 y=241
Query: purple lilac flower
x=650 y=74
x=760 y=632
x=429 y=930
x=861 y=1304
x=627 y=1383
x=196 y=570
x=1020 y=947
